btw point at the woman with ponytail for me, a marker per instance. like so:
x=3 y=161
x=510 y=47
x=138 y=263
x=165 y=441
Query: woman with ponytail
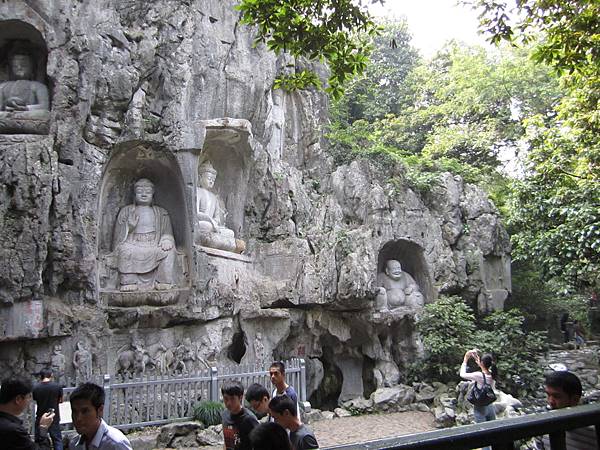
x=487 y=375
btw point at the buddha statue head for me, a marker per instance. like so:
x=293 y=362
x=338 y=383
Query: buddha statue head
x=207 y=175
x=144 y=192
x=393 y=269
x=20 y=65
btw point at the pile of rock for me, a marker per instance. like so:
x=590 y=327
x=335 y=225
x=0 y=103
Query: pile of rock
x=447 y=402
x=182 y=435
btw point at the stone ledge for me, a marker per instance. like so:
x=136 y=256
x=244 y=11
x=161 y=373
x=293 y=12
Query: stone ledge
x=143 y=298
x=225 y=254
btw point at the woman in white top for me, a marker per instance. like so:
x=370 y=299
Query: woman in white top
x=490 y=372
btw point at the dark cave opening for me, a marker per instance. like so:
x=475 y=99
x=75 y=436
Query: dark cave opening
x=328 y=392
x=237 y=349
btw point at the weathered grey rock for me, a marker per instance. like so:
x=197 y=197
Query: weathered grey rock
x=359 y=405
x=143 y=441
x=422 y=407
x=178 y=434
x=341 y=412
x=210 y=436
x=328 y=415
x=314 y=416
x=425 y=393
x=444 y=417
x=392 y=398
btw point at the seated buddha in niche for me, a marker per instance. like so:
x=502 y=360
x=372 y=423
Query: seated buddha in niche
x=210 y=215
x=22 y=99
x=398 y=288
x=144 y=244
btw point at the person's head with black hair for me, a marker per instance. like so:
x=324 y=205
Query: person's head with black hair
x=563 y=389
x=87 y=409
x=15 y=389
x=283 y=409
x=270 y=436
x=258 y=398
x=46 y=373
x=15 y=397
x=487 y=361
x=277 y=375
x=233 y=393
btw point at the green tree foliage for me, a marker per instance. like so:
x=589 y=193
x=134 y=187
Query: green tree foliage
x=448 y=328
x=332 y=31
x=542 y=303
x=454 y=113
x=382 y=88
x=475 y=102
x=555 y=209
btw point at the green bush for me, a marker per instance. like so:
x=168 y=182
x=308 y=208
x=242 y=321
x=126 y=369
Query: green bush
x=209 y=413
x=447 y=328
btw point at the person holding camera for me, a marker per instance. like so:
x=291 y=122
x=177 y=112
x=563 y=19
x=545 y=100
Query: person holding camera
x=482 y=392
x=15 y=398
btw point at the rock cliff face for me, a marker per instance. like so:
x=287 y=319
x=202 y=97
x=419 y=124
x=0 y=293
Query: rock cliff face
x=153 y=89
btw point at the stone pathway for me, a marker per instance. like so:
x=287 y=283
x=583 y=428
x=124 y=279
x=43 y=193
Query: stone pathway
x=348 y=430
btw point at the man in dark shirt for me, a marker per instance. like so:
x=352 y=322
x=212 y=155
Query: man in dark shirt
x=48 y=394
x=15 y=397
x=283 y=409
x=258 y=398
x=277 y=376
x=238 y=421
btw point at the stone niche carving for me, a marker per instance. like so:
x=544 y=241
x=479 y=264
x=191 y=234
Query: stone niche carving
x=496 y=277
x=144 y=236
x=221 y=186
x=402 y=277
x=24 y=94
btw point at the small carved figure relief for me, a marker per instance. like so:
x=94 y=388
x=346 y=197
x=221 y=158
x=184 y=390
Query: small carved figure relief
x=163 y=358
x=58 y=363
x=259 y=349
x=144 y=244
x=24 y=103
x=82 y=361
x=210 y=215
x=398 y=288
x=185 y=357
x=134 y=361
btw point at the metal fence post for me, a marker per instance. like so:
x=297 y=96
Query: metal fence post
x=107 y=398
x=214 y=384
x=302 y=380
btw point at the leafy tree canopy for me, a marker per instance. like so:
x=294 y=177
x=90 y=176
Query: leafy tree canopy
x=332 y=31
x=455 y=113
x=555 y=209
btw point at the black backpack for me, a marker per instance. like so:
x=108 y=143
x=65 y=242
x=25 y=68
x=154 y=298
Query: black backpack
x=481 y=396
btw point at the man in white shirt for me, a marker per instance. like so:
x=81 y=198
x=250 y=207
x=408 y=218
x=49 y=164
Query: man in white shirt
x=87 y=408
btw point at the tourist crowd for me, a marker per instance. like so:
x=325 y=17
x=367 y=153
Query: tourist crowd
x=271 y=423
x=281 y=427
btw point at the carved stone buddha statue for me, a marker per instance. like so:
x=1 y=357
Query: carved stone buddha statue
x=398 y=288
x=210 y=215
x=144 y=244
x=24 y=103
